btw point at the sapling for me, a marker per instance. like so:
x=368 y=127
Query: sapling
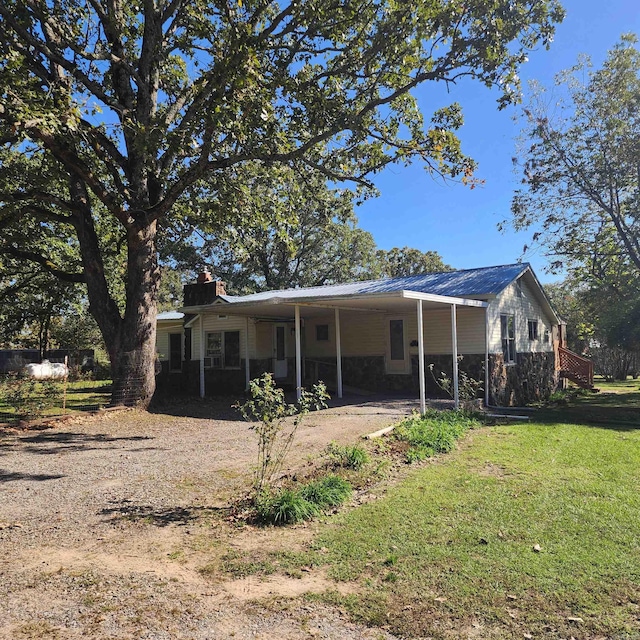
x=275 y=423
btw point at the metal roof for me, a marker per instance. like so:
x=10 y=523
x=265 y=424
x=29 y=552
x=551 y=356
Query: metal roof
x=171 y=315
x=485 y=281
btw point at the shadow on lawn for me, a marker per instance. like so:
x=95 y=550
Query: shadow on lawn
x=51 y=443
x=618 y=411
x=161 y=516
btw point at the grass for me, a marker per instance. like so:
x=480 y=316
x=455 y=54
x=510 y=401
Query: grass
x=82 y=395
x=617 y=403
x=452 y=550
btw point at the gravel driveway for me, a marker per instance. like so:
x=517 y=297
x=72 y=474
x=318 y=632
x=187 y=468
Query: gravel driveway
x=107 y=521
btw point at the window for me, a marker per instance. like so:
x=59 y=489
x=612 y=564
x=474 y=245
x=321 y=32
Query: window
x=396 y=339
x=322 y=332
x=175 y=352
x=508 y=333
x=533 y=329
x=222 y=350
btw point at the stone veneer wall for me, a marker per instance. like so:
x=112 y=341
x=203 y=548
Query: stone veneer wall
x=531 y=379
x=218 y=382
x=369 y=373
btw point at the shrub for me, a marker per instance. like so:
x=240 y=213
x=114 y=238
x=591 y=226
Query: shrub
x=347 y=457
x=434 y=432
x=329 y=491
x=268 y=408
x=28 y=397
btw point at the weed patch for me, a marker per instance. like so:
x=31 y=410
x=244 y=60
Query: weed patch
x=434 y=432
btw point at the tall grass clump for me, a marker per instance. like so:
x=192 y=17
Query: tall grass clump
x=434 y=432
x=346 y=456
x=289 y=506
x=330 y=491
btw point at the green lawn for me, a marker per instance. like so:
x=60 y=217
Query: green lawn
x=81 y=395
x=450 y=551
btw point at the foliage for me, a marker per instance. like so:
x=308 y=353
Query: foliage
x=396 y=262
x=346 y=456
x=581 y=188
x=289 y=506
x=434 y=432
x=276 y=423
x=615 y=363
x=602 y=325
x=29 y=398
x=468 y=388
x=296 y=231
x=119 y=120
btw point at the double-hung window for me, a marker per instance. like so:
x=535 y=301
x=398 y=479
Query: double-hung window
x=508 y=334
x=533 y=329
x=222 y=350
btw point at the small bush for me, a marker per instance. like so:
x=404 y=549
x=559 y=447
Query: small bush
x=435 y=432
x=29 y=398
x=347 y=457
x=330 y=491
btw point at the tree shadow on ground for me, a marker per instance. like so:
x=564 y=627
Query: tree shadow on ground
x=162 y=516
x=11 y=476
x=617 y=411
x=203 y=408
x=50 y=443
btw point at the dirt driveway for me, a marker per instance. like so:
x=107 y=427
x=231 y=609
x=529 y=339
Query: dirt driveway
x=107 y=523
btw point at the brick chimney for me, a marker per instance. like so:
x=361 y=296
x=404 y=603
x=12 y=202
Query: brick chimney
x=204 y=276
x=204 y=291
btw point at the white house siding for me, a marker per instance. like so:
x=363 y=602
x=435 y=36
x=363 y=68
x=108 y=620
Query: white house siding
x=437 y=330
x=213 y=322
x=524 y=306
x=162 y=338
x=365 y=334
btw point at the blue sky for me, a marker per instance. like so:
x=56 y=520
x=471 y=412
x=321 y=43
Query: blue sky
x=461 y=224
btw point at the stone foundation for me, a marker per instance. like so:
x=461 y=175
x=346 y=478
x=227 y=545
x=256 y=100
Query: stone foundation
x=532 y=378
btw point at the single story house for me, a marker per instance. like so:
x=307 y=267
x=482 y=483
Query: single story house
x=383 y=335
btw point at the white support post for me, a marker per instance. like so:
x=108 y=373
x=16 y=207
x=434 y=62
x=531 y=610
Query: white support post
x=454 y=351
x=247 y=366
x=338 y=355
x=202 y=389
x=486 y=356
x=298 y=355
x=423 y=399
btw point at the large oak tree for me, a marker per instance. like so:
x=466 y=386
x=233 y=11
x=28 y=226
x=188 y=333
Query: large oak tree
x=118 y=117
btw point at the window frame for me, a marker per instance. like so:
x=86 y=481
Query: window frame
x=508 y=343
x=171 y=368
x=325 y=327
x=397 y=366
x=221 y=352
x=533 y=323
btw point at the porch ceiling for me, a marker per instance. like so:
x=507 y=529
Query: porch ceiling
x=284 y=308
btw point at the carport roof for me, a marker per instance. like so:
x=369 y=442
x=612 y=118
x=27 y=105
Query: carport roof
x=485 y=281
x=465 y=287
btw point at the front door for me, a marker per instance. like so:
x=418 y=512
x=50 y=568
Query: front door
x=398 y=360
x=280 y=351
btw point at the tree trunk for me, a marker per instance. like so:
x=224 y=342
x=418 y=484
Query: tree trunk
x=133 y=351
x=130 y=340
